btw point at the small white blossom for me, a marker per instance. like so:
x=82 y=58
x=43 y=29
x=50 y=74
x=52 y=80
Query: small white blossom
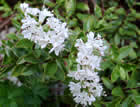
x=88 y=87
x=85 y=92
x=32 y=11
x=86 y=55
x=88 y=84
x=32 y=28
x=84 y=74
x=43 y=14
x=14 y=80
x=24 y=6
x=57 y=35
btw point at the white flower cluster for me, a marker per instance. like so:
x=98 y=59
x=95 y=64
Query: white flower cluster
x=87 y=86
x=33 y=28
x=14 y=80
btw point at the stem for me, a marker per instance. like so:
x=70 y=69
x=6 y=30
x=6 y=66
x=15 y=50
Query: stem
x=94 y=3
x=102 y=5
x=131 y=88
x=2 y=66
x=7 y=21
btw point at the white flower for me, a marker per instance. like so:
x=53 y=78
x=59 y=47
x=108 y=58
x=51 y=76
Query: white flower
x=43 y=14
x=28 y=22
x=13 y=79
x=87 y=51
x=88 y=87
x=96 y=42
x=57 y=35
x=32 y=11
x=75 y=88
x=84 y=99
x=24 y=6
x=85 y=92
x=84 y=74
x=32 y=28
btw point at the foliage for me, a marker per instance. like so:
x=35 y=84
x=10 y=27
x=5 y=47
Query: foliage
x=41 y=73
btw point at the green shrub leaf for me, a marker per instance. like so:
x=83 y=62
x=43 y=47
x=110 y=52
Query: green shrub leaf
x=117 y=92
x=115 y=74
x=50 y=68
x=24 y=43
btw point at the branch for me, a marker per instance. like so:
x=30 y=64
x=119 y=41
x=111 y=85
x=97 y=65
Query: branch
x=102 y=5
x=7 y=21
x=2 y=66
x=131 y=88
x=94 y=3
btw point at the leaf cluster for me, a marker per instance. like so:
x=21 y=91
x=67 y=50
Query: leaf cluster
x=41 y=72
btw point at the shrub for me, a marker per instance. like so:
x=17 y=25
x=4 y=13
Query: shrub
x=39 y=60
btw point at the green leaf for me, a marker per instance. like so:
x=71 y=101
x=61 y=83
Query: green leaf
x=107 y=83
x=130 y=2
x=24 y=43
x=106 y=64
x=115 y=74
x=132 y=54
x=31 y=59
x=15 y=93
x=82 y=17
x=73 y=22
x=122 y=73
x=40 y=90
x=19 y=51
x=7 y=60
x=88 y=23
x=3 y=91
x=60 y=75
x=137 y=15
x=21 y=60
x=13 y=104
x=137 y=99
x=109 y=10
x=37 y=53
x=117 y=39
x=127 y=102
x=50 y=68
x=16 y=24
x=133 y=44
x=131 y=26
x=120 y=11
x=132 y=83
x=28 y=58
x=70 y=6
x=98 y=12
x=82 y=6
x=59 y=1
x=29 y=70
x=17 y=70
x=59 y=64
x=49 y=3
x=124 y=52
x=12 y=36
x=117 y=92
x=97 y=104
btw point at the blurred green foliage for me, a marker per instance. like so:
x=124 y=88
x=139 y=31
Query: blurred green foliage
x=39 y=71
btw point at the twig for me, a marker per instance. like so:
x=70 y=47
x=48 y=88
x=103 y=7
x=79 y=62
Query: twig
x=102 y=5
x=2 y=66
x=6 y=21
x=94 y=3
x=131 y=88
